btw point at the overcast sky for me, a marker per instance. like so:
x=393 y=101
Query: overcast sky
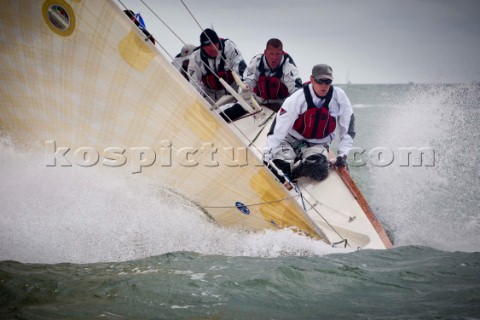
x=372 y=41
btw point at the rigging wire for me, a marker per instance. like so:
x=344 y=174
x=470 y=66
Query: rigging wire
x=160 y=19
x=191 y=14
x=313 y=207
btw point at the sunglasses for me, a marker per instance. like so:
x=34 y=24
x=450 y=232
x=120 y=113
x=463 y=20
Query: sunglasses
x=322 y=81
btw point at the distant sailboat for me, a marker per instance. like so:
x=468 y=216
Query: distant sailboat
x=347 y=79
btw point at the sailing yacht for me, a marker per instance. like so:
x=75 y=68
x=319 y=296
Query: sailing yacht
x=83 y=81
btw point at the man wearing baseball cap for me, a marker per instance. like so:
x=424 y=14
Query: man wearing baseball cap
x=182 y=59
x=216 y=58
x=304 y=127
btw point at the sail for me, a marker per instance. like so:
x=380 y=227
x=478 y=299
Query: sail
x=80 y=76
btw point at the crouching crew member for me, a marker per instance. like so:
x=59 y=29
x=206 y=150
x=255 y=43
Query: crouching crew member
x=304 y=127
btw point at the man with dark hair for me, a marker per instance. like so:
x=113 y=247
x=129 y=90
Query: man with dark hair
x=304 y=127
x=272 y=75
x=215 y=58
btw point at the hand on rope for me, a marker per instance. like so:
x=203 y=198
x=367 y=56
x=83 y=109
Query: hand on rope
x=267 y=155
x=245 y=94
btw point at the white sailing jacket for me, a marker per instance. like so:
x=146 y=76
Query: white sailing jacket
x=295 y=105
x=197 y=70
x=290 y=77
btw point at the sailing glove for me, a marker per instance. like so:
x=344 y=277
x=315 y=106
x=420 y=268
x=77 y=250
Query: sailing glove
x=246 y=94
x=267 y=155
x=341 y=162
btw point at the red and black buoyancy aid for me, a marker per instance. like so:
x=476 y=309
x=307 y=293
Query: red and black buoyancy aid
x=210 y=79
x=271 y=87
x=315 y=123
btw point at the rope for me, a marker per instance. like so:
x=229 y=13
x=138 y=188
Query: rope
x=281 y=174
x=326 y=221
x=191 y=14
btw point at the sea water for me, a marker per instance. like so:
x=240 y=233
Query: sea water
x=85 y=243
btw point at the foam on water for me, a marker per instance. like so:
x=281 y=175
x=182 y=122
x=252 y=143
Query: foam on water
x=435 y=206
x=75 y=214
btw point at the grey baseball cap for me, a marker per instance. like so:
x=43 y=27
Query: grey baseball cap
x=322 y=71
